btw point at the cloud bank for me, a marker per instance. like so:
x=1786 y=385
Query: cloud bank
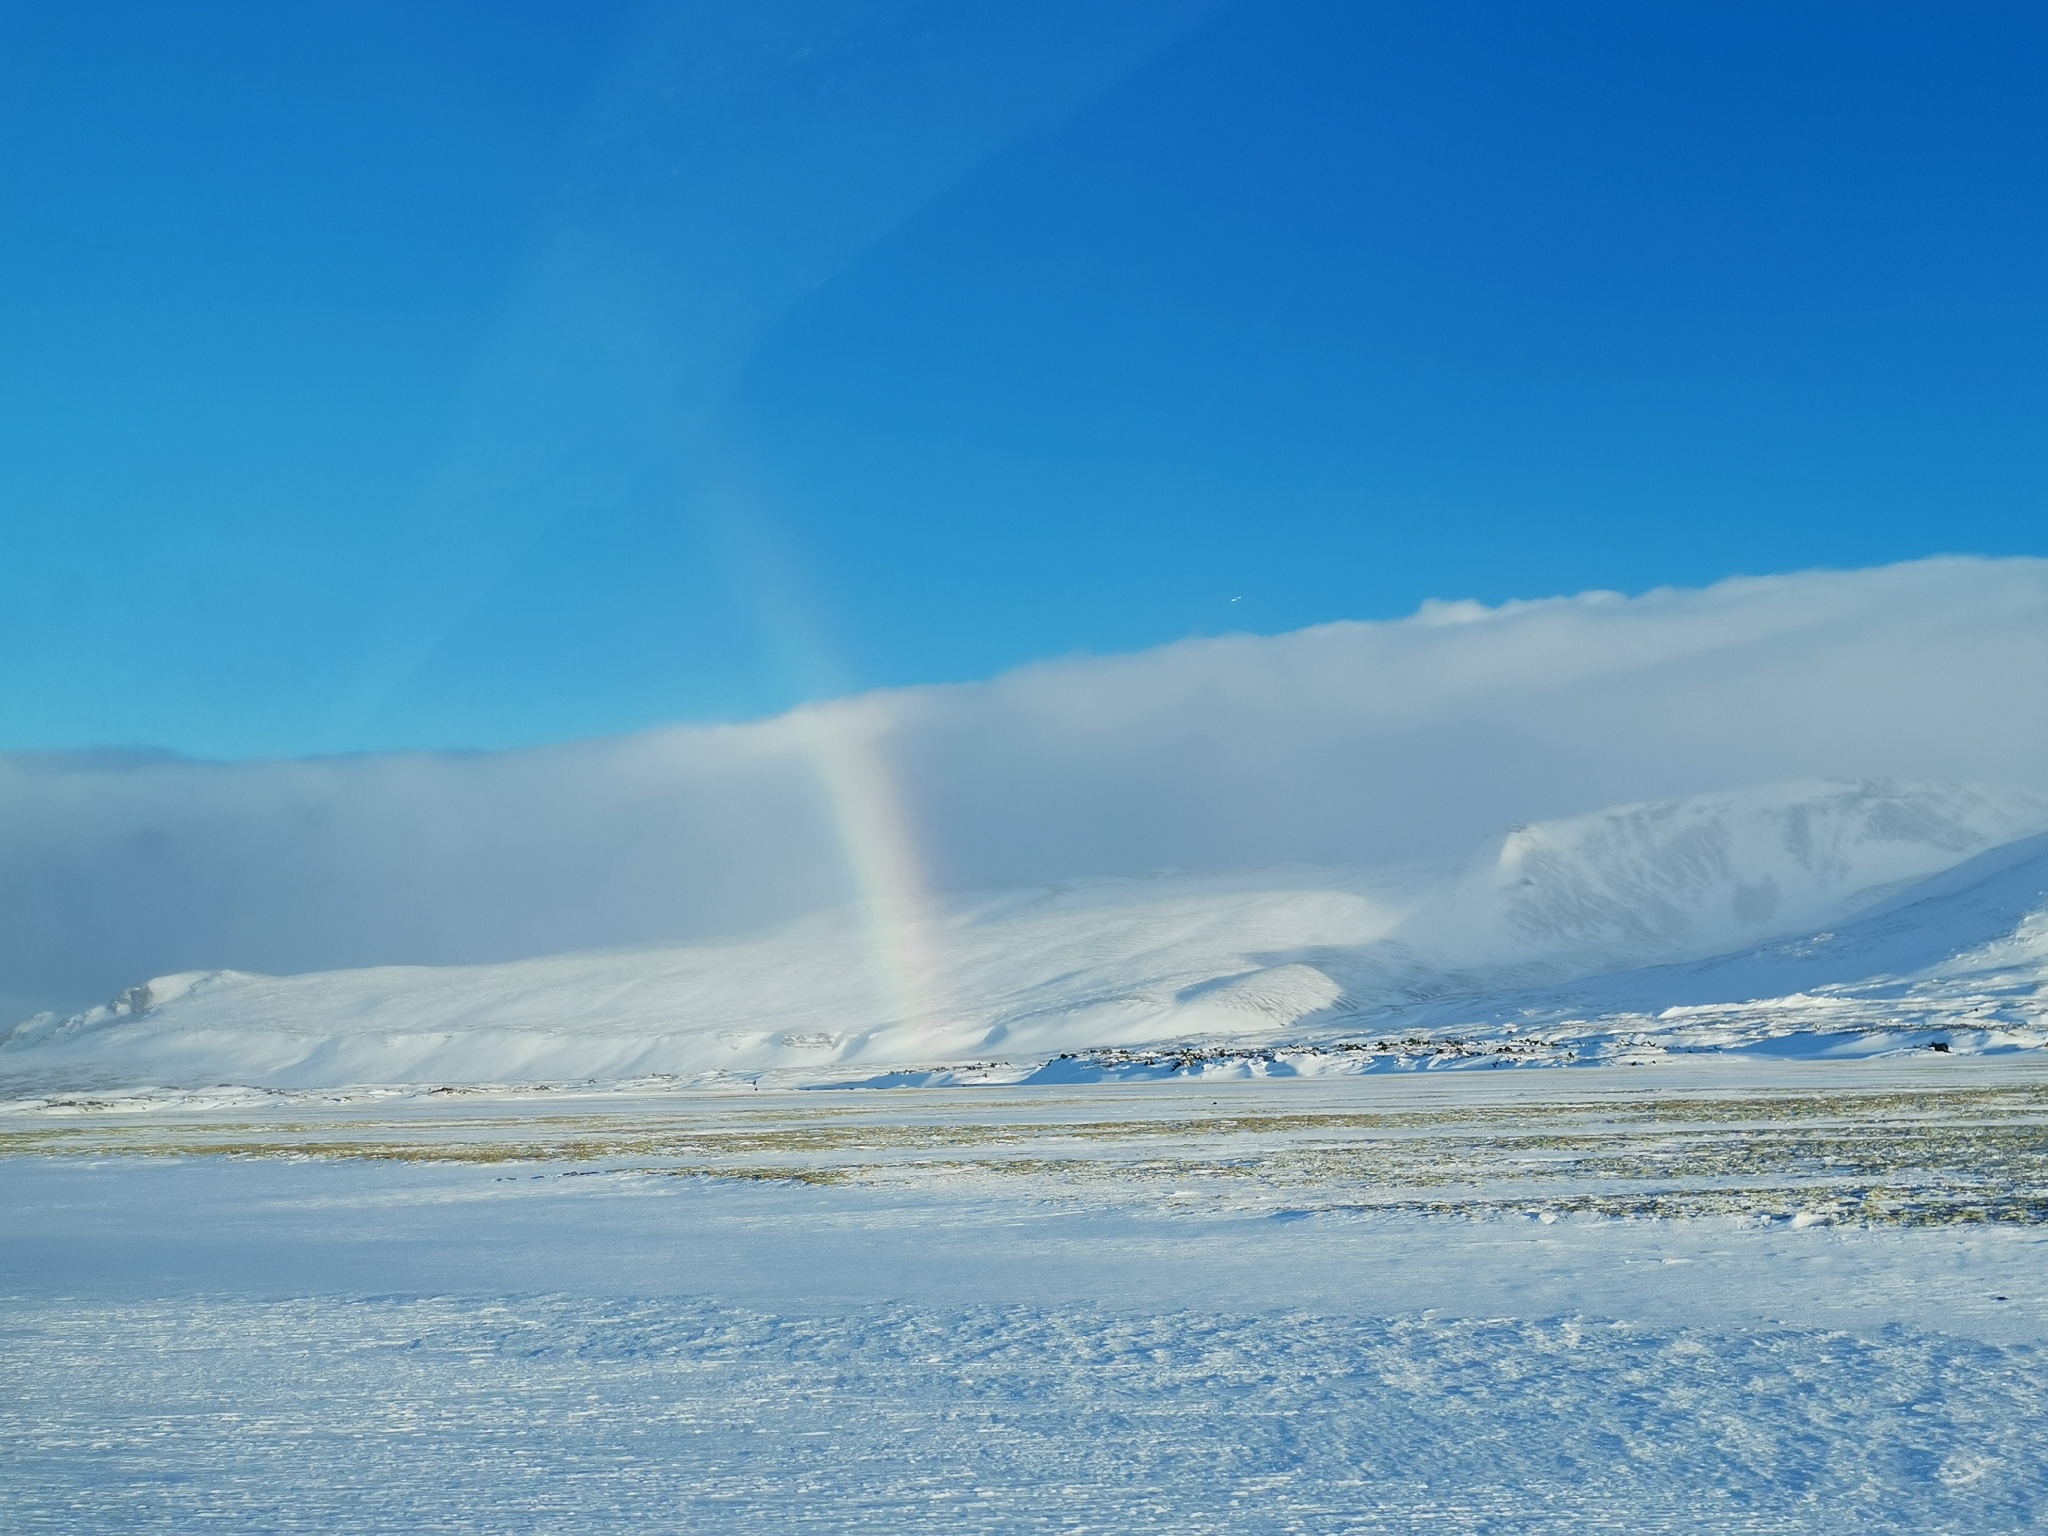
x=1343 y=744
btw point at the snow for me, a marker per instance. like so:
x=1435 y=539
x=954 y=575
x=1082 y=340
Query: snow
x=553 y=1414
x=1359 y=1304
x=1813 y=916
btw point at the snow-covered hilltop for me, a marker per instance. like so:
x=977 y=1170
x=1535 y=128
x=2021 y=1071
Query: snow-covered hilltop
x=1814 y=915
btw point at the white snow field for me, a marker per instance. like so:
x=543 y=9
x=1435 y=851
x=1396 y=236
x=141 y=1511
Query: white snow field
x=1815 y=916
x=1704 y=1296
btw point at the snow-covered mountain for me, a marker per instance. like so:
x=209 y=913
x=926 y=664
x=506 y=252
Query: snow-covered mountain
x=1731 y=919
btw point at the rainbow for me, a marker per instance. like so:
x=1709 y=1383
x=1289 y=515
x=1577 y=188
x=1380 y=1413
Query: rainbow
x=843 y=739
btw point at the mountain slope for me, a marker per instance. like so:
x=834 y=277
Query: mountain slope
x=1580 y=928
x=1983 y=919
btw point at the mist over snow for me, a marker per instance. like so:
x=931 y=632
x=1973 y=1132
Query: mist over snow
x=1286 y=956
x=1353 y=744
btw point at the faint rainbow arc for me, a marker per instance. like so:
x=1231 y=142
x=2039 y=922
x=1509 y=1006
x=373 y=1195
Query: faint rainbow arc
x=880 y=848
x=844 y=739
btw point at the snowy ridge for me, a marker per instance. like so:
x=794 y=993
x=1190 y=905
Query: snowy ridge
x=1874 y=913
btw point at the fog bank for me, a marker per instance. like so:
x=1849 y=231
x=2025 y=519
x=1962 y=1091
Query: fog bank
x=1347 y=743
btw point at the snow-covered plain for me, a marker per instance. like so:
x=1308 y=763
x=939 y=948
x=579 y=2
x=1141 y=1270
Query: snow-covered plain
x=1814 y=916
x=1702 y=1296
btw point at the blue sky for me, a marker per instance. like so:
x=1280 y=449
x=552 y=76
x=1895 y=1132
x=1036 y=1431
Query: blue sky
x=449 y=375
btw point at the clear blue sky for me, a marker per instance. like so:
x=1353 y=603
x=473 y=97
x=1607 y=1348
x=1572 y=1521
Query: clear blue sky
x=379 y=374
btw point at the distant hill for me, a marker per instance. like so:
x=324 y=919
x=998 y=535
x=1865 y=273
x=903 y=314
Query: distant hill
x=1816 y=916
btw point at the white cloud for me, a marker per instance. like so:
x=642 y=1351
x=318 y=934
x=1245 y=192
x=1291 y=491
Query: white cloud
x=1348 y=743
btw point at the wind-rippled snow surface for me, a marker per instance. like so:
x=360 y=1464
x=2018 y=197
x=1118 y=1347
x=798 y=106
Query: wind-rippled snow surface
x=571 y=1414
